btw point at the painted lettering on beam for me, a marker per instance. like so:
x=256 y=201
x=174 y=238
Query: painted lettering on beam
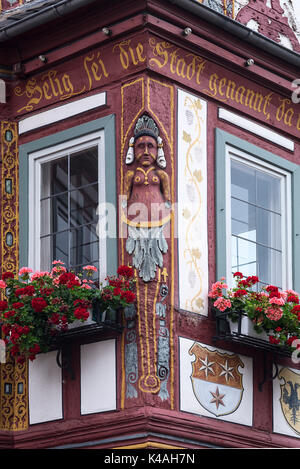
x=101 y=66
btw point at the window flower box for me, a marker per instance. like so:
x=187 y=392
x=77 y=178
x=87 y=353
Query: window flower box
x=44 y=308
x=268 y=318
x=242 y=324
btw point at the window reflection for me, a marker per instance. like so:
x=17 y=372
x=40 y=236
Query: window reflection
x=256 y=221
x=69 y=200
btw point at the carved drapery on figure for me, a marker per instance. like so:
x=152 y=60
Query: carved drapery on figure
x=147 y=204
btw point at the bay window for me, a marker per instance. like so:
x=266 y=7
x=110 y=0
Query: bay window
x=257 y=220
x=65 y=191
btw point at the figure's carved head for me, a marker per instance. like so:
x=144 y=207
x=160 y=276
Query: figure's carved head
x=145 y=150
x=146 y=145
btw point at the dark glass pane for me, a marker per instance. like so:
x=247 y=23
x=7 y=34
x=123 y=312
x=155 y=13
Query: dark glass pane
x=69 y=196
x=54 y=177
x=61 y=246
x=54 y=214
x=60 y=212
x=84 y=203
x=84 y=167
x=84 y=245
x=54 y=247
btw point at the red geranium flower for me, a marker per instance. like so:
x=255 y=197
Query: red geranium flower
x=66 y=277
x=117 y=291
x=240 y=292
x=73 y=283
x=18 y=305
x=3 y=305
x=115 y=282
x=252 y=279
x=6 y=329
x=238 y=274
x=243 y=283
x=38 y=304
x=33 y=351
x=272 y=288
x=14 y=350
x=129 y=296
x=54 y=318
x=7 y=275
x=273 y=340
x=25 y=330
x=82 y=302
x=81 y=313
x=9 y=314
x=28 y=290
x=21 y=359
x=125 y=271
x=19 y=291
x=290 y=340
x=292 y=299
x=274 y=294
x=47 y=291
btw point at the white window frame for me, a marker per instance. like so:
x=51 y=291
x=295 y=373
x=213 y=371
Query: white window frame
x=286 y=204
x=36 y=159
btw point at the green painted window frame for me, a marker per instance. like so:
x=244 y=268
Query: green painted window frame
x=107 y=124
x=222 y=139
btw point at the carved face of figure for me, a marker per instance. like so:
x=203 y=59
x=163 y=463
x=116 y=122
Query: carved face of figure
x=145 y=150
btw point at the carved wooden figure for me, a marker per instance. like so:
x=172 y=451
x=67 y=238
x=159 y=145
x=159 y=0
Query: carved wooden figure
x=147 y=205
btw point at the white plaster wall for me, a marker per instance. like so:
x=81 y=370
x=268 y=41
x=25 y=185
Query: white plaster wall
x=45 y=389
x=98 y=376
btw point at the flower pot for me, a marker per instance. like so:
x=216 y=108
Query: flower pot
x=108 y=315
x=245 y=326
x=79 y=323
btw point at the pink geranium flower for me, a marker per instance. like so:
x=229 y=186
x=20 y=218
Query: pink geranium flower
x=222 y=303
x=274 y=314
x=277 y=301
x=39 y=274
x=90 y=267
x=25 y=270
x=216 y=289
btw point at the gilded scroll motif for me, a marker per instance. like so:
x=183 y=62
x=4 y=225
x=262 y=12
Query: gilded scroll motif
x=13 y=376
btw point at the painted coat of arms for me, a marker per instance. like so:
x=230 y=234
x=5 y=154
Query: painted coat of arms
x=216 y=380
x=290 y=398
